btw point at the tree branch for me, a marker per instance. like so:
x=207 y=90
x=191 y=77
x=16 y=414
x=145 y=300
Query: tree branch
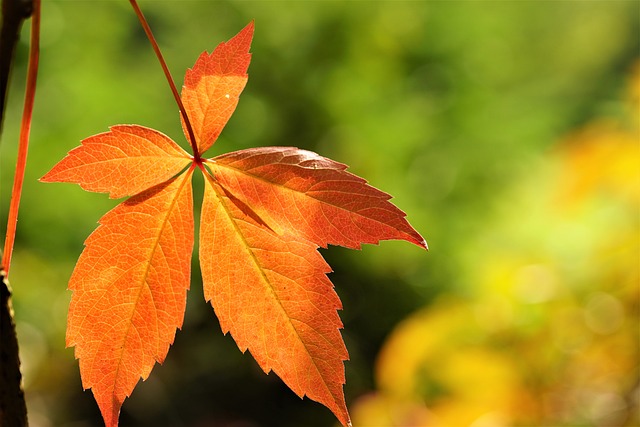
x=14 y=12
x=13 y=410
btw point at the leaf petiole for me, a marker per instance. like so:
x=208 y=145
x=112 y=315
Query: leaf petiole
x=145 y=25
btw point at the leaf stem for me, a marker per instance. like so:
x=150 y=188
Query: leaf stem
x=23 y=144
x=167 y=73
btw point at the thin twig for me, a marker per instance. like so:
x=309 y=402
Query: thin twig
x=25 y=129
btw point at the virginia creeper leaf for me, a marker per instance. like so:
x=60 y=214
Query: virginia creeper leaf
x=129 y=291
x=272 y=293
x=122 y=162
x=265 y=212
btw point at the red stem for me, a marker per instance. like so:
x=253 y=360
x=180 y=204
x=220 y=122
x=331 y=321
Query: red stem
x=176 y=95
x=25 y=129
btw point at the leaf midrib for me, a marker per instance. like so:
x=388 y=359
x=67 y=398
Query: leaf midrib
x=267 y=282
x=304 y=193
x=146 y=273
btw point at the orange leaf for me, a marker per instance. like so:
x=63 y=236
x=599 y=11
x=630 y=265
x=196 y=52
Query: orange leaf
x=212 y=87
x=265 y=213
x=300 y=192
x=272 y=293
x=121 y=162
x=129 y=291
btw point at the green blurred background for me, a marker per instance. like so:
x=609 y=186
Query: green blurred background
x=509 y=133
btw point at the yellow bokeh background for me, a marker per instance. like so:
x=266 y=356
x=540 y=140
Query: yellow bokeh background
x=550 y=335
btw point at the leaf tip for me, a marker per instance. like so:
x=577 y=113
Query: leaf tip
x=48 y=177
x=344 y=418
x=424 y=244
x=250 y=27
x=245 y=36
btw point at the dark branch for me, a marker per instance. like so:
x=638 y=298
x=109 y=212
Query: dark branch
x=13 y=410
x=14 y=12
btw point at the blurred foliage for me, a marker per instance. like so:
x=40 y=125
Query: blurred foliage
x=548 y=332
x=502 y=130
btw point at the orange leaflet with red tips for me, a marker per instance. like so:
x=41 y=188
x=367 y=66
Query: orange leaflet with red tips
x=264 y=215
x=212 y=87
x=313 y=197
